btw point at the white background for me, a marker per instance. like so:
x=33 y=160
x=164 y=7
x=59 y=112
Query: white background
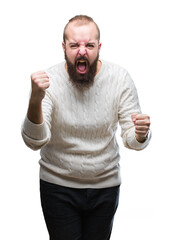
x=136 y=34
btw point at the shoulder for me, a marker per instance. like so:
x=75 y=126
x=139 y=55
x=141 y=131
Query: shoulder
x=56 y=70
x=114 y=69
x=57 y=75
x=119 y=74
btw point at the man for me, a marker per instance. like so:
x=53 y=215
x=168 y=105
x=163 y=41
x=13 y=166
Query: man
x=72 y=117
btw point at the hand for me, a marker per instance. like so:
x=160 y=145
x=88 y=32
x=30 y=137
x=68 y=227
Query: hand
x=142 y=124
x=40 y=82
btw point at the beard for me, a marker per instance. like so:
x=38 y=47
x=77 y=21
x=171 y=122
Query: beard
x=82 y=81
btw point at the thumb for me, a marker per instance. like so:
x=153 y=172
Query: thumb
x=133 y=116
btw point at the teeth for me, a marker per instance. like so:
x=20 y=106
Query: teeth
x=81 y=61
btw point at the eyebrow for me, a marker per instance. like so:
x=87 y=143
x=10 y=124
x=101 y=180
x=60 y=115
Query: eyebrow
x=73 y=43
x=91 y=43
x=76 y=43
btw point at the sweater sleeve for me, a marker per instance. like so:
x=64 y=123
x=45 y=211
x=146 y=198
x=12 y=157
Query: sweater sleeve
x=128 y=104
x=34 y=135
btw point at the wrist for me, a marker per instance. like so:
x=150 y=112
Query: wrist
x=34 y=113
x=141 y=139
x=35 y=99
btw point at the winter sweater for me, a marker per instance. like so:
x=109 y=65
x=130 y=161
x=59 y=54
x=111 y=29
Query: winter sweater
x=77 y=137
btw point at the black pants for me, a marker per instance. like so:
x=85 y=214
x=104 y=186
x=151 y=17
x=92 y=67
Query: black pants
x=78 y=214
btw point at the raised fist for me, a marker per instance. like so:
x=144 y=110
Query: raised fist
x=40 y=82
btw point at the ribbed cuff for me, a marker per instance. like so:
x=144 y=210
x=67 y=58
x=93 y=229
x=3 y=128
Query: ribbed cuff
x=133 y=143
x=35 y=131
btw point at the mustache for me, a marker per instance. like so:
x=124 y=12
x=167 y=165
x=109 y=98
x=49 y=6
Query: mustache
x=81 y=58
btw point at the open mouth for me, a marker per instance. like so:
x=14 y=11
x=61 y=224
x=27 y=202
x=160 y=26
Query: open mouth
x=82 y=66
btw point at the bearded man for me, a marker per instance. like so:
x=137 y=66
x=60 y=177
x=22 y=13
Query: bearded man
x=73 y=114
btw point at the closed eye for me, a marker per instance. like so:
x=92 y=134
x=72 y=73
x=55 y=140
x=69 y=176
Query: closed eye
x=90 y=45
x=74 y=46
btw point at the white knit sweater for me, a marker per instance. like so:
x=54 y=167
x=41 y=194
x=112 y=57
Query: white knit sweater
x=77 y=138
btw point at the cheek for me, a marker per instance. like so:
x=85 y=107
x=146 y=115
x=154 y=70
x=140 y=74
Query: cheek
x=93 y=55
x=71 y=55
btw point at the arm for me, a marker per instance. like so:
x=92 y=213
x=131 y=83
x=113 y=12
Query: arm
x=40 y=82
x=35 y=131
x=134 y=127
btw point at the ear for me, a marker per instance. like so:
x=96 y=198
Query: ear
x=100 y=44
x=63 y=46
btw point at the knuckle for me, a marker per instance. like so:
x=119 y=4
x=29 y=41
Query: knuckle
x=148 y=122
x=148 y=118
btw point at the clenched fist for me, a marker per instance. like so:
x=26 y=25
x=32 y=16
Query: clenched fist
x=142 y=125
x=40 y=82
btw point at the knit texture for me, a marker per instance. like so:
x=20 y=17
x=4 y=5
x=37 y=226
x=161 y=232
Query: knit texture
x=77 y=138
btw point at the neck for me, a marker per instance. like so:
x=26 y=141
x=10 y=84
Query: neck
x=99 y=64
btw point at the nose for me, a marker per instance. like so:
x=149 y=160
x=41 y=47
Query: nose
x=82 y=51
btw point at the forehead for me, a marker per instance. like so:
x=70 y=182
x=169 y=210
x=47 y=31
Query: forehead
x=81 y=32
